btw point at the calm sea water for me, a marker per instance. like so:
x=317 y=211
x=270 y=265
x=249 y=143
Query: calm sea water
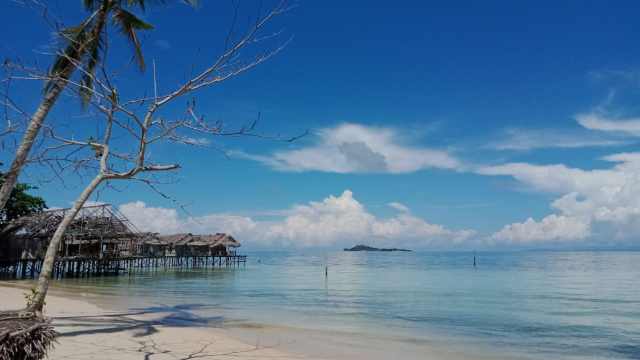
x=569 y=305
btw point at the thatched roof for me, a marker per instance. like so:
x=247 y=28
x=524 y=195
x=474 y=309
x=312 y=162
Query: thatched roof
x=178 y=239
x=91 y=223
x=227 y=241
x=220 y=239
x=150 y=238
x=211 y=240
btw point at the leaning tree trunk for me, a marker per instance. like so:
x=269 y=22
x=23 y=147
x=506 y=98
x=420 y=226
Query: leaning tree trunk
x=11 y=177
x=52 y=250
x=32 y=133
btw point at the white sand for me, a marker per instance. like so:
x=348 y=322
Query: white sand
x=89 y=332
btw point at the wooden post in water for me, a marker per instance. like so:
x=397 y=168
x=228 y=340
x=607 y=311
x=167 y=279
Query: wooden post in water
x=474 y=257
x=326 y=266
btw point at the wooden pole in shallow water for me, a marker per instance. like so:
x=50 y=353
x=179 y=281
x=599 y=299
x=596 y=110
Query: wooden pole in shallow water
x=474 y=257
x=326 y=266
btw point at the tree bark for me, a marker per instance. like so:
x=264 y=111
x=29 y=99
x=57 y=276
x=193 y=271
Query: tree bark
x=11 y=177
x=52 y=250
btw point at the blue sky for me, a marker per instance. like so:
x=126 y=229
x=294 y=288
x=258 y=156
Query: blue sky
x=457 y=125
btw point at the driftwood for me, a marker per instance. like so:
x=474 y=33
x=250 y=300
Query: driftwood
x=25 y=335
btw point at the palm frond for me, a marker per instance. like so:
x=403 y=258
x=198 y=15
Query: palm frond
x=75 y=30
x=128 y=24
x=70 y=53
x=72 y=39
x=92 y=4
x=143 y=4
x=92 y=60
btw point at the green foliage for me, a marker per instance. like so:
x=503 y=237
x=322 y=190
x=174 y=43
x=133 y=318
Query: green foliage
x=30 y=297
x=86 y=42
x=20 y=203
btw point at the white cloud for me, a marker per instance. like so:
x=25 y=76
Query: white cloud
x=399 y=207
x=596 y=205
x=154 y=219
x=598 y=122
x=333 y=220
x=551 y=227
x=557 y=178
x=344 y=218
x=520 y=139
x=352 y=148
x=241 y=227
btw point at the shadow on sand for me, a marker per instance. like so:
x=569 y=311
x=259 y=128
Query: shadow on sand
x=139 y=321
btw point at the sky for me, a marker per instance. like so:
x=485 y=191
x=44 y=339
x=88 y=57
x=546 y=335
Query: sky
x=455 y=125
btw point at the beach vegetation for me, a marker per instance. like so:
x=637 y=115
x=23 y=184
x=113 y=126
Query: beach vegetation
x=31 y=296
x=20 y=203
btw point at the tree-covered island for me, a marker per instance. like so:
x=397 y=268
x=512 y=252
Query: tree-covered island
x=369 y=248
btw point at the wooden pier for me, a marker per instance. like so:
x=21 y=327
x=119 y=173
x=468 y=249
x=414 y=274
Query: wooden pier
x=90 y=267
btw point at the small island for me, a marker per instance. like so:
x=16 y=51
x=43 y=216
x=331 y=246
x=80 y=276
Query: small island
x=369 y=248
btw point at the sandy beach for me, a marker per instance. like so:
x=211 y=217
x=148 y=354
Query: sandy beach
x=90 y=332
x=91 y=329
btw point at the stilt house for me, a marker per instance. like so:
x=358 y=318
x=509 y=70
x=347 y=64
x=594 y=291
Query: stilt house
x=186 y=244
x=97 y=232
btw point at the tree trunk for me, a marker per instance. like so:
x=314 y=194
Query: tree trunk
x=52 y=250
x=11 y=177
x=30 y=136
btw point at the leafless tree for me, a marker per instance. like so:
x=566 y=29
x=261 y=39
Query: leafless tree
x=83 y=49
x=129 y=127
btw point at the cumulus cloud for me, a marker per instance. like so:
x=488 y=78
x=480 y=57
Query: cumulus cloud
x=594 y=204
x=352 y=148
x=241 y=227
x=332 y=220
x=551 y=227
x=154 y=219
x=344 y=218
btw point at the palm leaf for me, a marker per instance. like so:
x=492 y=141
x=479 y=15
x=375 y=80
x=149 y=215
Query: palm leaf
x=128 y=24
x=74 y=37
x=60 y=64
x=142 y=4
x=92 y=4
x=92 y=59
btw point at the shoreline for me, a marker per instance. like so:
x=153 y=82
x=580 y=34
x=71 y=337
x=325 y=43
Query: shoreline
x=105 y=328
x=91 y=331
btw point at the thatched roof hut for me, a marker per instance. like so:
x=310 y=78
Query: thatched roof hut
x=185 y=244
x=94 y=230
x=227 y=241
x=178 y=239
x=151 y=244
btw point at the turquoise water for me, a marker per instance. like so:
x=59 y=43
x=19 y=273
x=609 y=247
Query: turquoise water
x=539 y=305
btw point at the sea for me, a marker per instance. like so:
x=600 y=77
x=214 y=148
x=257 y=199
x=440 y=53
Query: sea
x=401 y=305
